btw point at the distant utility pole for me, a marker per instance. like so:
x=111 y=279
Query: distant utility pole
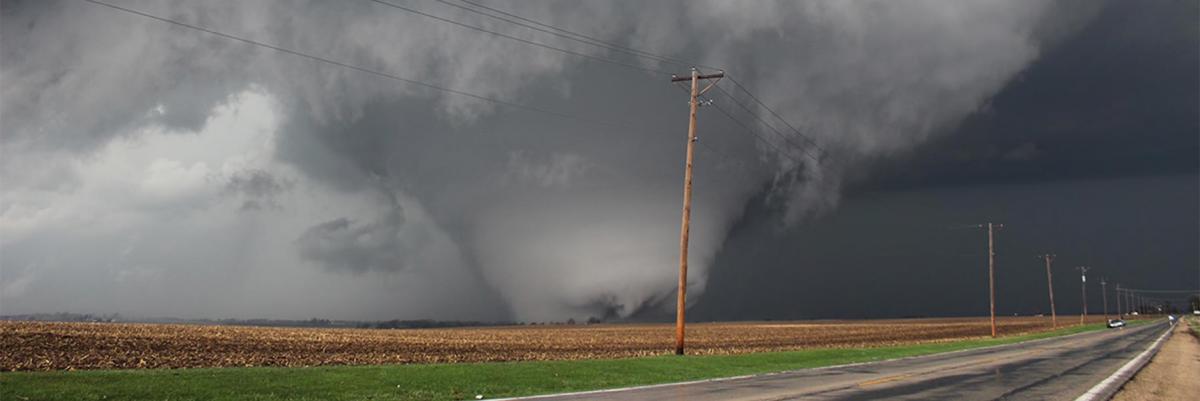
x=1049 y=257
x=1083 y=275
x=1120 y=312
x=693 y=104
x=1129 y=303
x=1104 y=296
x=992 y=270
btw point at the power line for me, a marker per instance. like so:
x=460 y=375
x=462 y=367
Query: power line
x=764 y=122
x=598 y=42
x=1163 y=291
x=751 y=131
x=594 y=39
x=365 y=70
x=525 y=41
x=572 y=35
x=576 y=37
x=756 y=135
x=772 y=111
x=391 y=76
x=563 y=33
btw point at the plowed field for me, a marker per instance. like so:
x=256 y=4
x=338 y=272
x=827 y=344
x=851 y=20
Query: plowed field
x=58 y=346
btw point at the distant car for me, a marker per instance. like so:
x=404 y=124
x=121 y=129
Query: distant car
x=1115 y=323
x=1196 y=312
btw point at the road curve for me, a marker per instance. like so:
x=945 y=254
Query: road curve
x=1060 y=368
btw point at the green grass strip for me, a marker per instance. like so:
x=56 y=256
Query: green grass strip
x=446 y=381
x=1193 y=323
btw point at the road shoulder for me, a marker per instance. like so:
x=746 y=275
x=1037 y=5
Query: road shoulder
x=1171 y=374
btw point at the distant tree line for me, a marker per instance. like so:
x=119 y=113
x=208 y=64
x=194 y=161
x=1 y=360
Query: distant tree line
x=64 y=317
x=313 y=322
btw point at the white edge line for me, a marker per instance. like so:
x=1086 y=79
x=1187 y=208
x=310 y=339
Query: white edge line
x=721 y=379
x=1109 y=386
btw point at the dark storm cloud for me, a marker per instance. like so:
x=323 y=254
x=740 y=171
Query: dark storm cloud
x=912 y=253
x=1117 y=99
x=442 y=204
x=1091 y=154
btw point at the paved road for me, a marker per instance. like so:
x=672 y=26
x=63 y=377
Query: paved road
x=1055 y=369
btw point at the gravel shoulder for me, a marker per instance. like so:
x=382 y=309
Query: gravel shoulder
x=1172 y=373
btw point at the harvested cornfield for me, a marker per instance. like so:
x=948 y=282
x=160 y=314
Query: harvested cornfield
x=67 y=346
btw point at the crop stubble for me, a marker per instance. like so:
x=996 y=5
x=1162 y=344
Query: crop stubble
x=66 y=346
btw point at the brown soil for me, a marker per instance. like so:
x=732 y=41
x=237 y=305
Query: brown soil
x=57 y=346
x=1173 y=374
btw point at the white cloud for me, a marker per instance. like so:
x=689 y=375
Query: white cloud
x=152 y=230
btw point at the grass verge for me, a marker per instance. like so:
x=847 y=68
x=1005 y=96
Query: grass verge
x=446 y=381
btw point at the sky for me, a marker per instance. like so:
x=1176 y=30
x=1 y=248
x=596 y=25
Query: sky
x=154 y=170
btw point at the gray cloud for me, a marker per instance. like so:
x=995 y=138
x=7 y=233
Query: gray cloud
x=345 y=244
x=256 y=183
x=258 y=189
x=550 y=218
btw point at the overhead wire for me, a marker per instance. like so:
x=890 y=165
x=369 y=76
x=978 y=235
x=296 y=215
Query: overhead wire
x=781 y=135
x=591 y=38
x=503 y=102
x=780 y=118
x=522 y=40
x=756 y=135
x=750 y=131
x=562 y=33
x=812 y=141
x=580 y=38
x=365 y=70
x=568 y=34
x=1197 y=291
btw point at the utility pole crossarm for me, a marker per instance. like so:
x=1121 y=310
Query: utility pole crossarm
x=676 y=78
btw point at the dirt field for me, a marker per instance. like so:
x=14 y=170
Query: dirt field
x=1171 y=375
x=55 y=346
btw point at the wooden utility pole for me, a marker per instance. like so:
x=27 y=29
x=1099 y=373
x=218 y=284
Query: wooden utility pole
x=992 y=271
x=1050 y=283
x=1083 y=287
x=1104 y=296
x=693 y=104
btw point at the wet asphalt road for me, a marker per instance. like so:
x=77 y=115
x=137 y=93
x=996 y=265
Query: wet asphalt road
x=1055 y=369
